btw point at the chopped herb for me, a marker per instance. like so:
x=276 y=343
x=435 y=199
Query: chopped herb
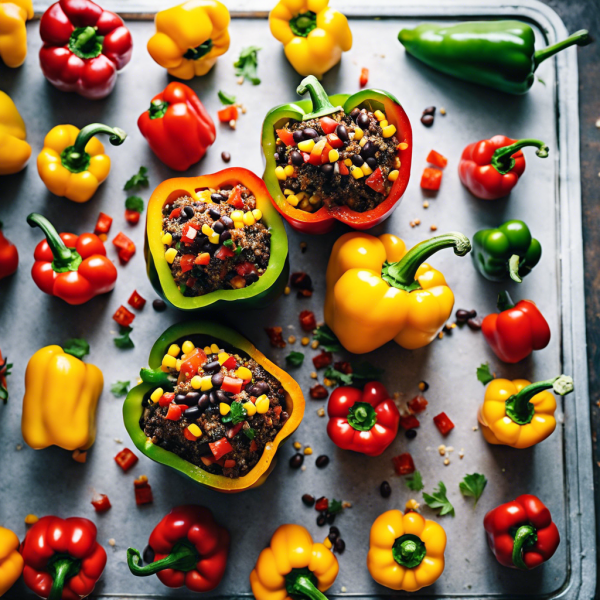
x=137 y=180
x=337 y=376
x=76 y=347
x=473 y=485
x=414 y=482
x=327 y=339
x=5 y=368
x=226 y=98
x=228 y=244
x=295 y=359
x=124 y=341
x=247 y=63
x=484 y=374
x=236 y=415
x=335 y=507
x=119 y=388
x=361 y=372
x=249 y=433
x=134 y=203
x=238 y=250
x=439 y=500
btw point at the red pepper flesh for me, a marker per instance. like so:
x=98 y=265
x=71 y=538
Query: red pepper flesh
x=126 y=459
x=136 y=301
x=443 y=423
x=123 y=316
x=220 y=448
x=403 y=464
x=431 y=179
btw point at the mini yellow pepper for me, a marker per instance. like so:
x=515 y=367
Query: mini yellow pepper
x=377 y=291
x=406 y=552
x=72 y=163
x=61 y=397
x=11 y=562
x=190 y=37
x=518 y=413
x=14 y=150
x=313 y=35
x=13 y=31
x=293 y=565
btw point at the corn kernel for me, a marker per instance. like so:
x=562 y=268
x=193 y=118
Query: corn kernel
x=397 y=163
x=224 y=408
x=169 y=361
x=174 y=350
x=293 y=200
x=248 y=218
x=207 y=230
x=314 y=344
x=379 y=115
x=214 y=238
x=195 y=430
x=187 y=347
x=363 y=142
x=236 y=215
x=315 y=199
x=31 y=519
x=393 y=175
x=257 y=214
x=167 y=239
x=389 y=131
x=334 y=156
x=207 y=350
x=262 y=404
x=222 y=357
x=206 y=383
x=204 y=195
x=297 y=445
x=383 y=123
x=402 y=146
x=306 y=145
x=289 y=170
x=244 y=373
x=250 y=408
x=178 y=365
x=157 y=394
x=196 y=382
x=170 y=255
x=301 y=195
x=348 y=162
x=366 y=169
x=287 y=192
x=308 y=451
x=287 y=290
x=357 y=172
x=358 y=133
x=327 y=543
x=238 y=224
x=280 y=174
x=305 y=341
x=412 y=505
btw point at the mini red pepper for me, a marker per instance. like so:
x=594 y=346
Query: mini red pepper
x=126 y=459
x=177 y=127
x=517 y=331
x=84 y=47
x=364 y=421
x=521 y=533
x=73 y=268
x=189 y=549
x=62 y=558
x=9 y=256
x=490 y=169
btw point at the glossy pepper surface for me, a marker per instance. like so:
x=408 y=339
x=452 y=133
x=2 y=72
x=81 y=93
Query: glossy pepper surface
x=377 y=291
x=320 y=105
x=497 y=54
x=270 y=284
x=72 y=162
x=518 y=413
x=177 y=127
x=71 y=267
x=11 y=562
x=313 y=34
x=515 y=332
x=364 y=421
x=14 y=15
x=133 y=408
x=521 y=533
x=406 y=551
x=293 y=566
x=14 y=150
x=190 y=37
x=61 y=397
x=506 y=251
x=62 y=558
x=190 y=549
x=490 y=169
x=9 y=256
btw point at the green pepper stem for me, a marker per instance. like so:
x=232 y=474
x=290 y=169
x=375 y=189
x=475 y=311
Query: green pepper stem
x=65 y=259
x=505 y=302
x=75 y=158
x=303 y=23
x=513 y=268
x=61 y=568
x=526 y=535
x=303 y=586
x=157 y=109
x=409 y=551
x=199 y=51
x=85 y=42
x=319 y=98
x=184 y=557
x=362 y=416
x=580 y=38
x=503 y=161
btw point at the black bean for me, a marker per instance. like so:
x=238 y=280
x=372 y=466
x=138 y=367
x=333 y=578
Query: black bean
x=217 y=380
x=308 y=500
x=228 y=222
x=385 y=489
x=226 y=235
x=342 y=133
x=472 y=314
x=251 y=278
x=189 y=211
x=310 y=134
x=322 y=461
x=430 y=110
x=225 y=157
x=296 y=158
x=261 y=387
x=411 y=434
x=192 y=413
x=462 y=315
x=363 y=120
x=427 y=120
x=474 y=324
x=321 y=519
x=180 y=399
x=203 y=402
x=148 y=555
x=298 y=136
x=212 y=397
x=368 y=150
x=183 y=218
x=192 y=398
x=334 y=530
x=217 y=198
x=214 y=214
x=223 y=397
x=218 y=227
x=339 y=546
x=296 y=460
x=159 y=305
x=372 y=162
x=330 y=518
x=332 y=535
x=354 y=113
x=358 y=160
x=327 y=169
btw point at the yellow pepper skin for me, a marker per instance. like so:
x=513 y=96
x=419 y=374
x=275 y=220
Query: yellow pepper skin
x=366 y=308
x=518 y=413
x=13 y=31
x=313 y=35
x=14 y=150
x=61 y=396
x=293 y=564
x=397 y=559
x=11 y=562
x=190 y=37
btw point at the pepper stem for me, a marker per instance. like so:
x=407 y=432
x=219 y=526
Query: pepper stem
x=157 y=109
x=85 y=42
x=513 y=268
x=409 y=551
x=303 y=23
x=505 y=302
x=362 y=416
x=503 y=161
x=580 y=38
x=184 y=557
x=61 y=568
x=199 y=51
x=526 y=535
x=402 y=274
x=75 y=158
x=301 y=582
x=65 y=259
x=319 y=98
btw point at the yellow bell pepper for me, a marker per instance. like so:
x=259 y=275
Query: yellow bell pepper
x=518 y=413
x=61 y=397
x=72 y=163
x=313 y=35
x=190 y=37
x=293 y=565
x=14 y=150
x=377 y=291
x=406 y=552
x=11 y=562
x=13 y=31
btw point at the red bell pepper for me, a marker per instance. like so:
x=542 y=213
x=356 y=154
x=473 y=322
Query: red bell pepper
x=136 y=301
x=142 y=491
x=220 y=448
x=521 y=533
x=177 y=127
x=227 y=114
x=189 y=549
x=132 y=216
x=232 y=385
x=123 y=316
x=437 y=159
x=403 y=464
x=62 y=558
x=103 y=224
x=125 y=247
x=431 y=179
x=84 y=47
x=490 y=169
x=308 y=321
x=71 y=267
x=126 y=459
x=9 y=256
x=364 y=421
x=375 y=181
x=443 y=423
x=517 y=331
x=101 y=503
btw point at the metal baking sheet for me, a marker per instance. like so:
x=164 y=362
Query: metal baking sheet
x=548 y=197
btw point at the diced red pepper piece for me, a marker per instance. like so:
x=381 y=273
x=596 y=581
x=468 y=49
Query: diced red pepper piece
x=220 y=448
x=328 y=125
x=103 y=224
x=208 y=460
x=443 y=423
x=364 y=77
x=233 y=431
x=143 y=491
x=322 y=360
x=229 y=113
x=343 y=367
x=403 y=464
x=230 y=363
x=375 y=181
x=232 y=384
x=136 y=301
x=308 y=322
x=286 y=136
x=166 y=399
x=223 y=253
x=174 y=413
x=245 y=268
x=123 y=316
x=409 y=422
x=101 y=503
x=325 y=153
x=334 y=141
x=187 y=262
x=437 y=159
x=431 y=179
x=188 y=234
x=316 y=152
x=275 y=336
x=202 y=259
x=318 y=392
x=235 y=198
x=126 y=459
x=418 y=404
x=125 y=247
x=193 y=361
x=188 y=435
x=229 y=464
x=175 y=213
x=132 y=216
x=322 y=504
x=343 y=168
x=253 y=446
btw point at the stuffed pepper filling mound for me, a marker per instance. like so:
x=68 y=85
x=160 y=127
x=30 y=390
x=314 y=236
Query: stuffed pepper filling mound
x=342 y=159
x=222 y=412
x=215 y=241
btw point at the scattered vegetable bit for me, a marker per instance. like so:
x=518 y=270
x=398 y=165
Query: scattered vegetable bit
x=101 y=503
x=246 y=65
x=77 y=347
x=136 y=301
x=439 y=500
x=103 y=224
x=228 y=114
x=418 y=404
x=143 y=491
x=303 y=283
x=275 y=336
x=443 y=423
x=295 y=359
x=414 y=482
x=327 y=339
x=409 y=422
x=124 y=341
x=484 y=374
x=126 y=459
x=308 y=322
x=359 y=373
x=237 y=414
x=437 y=159
x=364 y=77
x=322 y=360
x=120 y=388
x=138 y=180
x=473 y=485
x=123 y=316
x=134 y=206
x=403 y=464
x=125 y=247
x=431 y=179
x=318 y=392
x=226 y=98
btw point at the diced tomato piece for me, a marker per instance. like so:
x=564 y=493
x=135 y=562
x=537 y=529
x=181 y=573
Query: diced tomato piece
x=202 y=259
x=343 y=168
x=174 y=413
x=187 y=262
x=223 y=253
x=403 y=464
x=286 y=136
x=220 y=448
x=166 y=399
x=126 y=459
x=245 y=268
x=143 y=491
x=123 y=316
x=188 y=435
x=208 y=460
x=364 y=77
x=328 y=125
x=334 y=141
x=235 y=198
x=443 y=423
x=229 y=464
x=431 y=179
x=232 y=384
x=132 y=216
x=233 y=431
x=101 y=503
x=322 y=360
x=229 y=113
x=409 y=422
x=125 y=247
x=230 y=363
x=418 y=404
x=308 y=322
x=136 y=301
x=253 y=446
x=175 y=213
x=193 y=361
x=322 y=504
x=188 y=234
x=375 y=181
x=103 y=224
x=437 y=159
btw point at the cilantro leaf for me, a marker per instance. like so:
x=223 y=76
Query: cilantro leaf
x=124 y=341
x=335 y=507
x=226 y=98
x=327 y=339
x=247 y=63
x=414 y=482
x=228 y=244
x=484 y=374
x=119 y=388
x=473 y=485
x=236 y=415
x=134 y=203
x=295 y=359
x=249 y=433
x=438 y=499
x=76 y=347
x=338 y=376
x=137 y=180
